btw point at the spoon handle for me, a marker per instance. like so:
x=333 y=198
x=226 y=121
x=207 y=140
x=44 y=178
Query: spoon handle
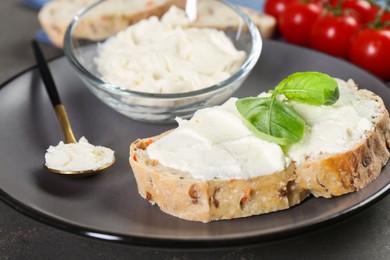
x=191 y=10
x=46 y=75
x=65 y=124
x=53 y=94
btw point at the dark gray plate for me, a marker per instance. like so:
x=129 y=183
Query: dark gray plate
x=107 y=206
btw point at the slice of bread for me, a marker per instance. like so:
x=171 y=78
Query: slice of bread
x=109 y=18
x=321 y=173
x=114 y=16
x=217 y=15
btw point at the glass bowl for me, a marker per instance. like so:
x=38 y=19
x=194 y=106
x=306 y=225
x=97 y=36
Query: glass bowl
x=82 y=49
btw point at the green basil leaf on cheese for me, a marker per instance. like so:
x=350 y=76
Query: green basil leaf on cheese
x=272 y=120
x=312 y=88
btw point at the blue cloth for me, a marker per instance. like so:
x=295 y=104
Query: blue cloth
x=254 y=4
x=36 y=4
x=42 y=36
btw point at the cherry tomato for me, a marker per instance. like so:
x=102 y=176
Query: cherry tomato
x=370 y=50
x=385 y=16
x=296 y=22
x=276 y=7
x=364 y=8
x=332 y=33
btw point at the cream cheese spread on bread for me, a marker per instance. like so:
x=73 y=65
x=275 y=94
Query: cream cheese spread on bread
x=167 y=56
x=337 y=128
x=216 y=143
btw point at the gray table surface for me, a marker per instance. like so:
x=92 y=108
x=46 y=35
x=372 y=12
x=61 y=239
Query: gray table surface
x=364 y=236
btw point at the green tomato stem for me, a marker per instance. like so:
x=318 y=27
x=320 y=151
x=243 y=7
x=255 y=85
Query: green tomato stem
x=377 y=24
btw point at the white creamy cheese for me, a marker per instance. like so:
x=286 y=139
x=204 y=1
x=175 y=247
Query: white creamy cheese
x=334 y=129
x=168 y=56
x=80 y=156
x=216 y=143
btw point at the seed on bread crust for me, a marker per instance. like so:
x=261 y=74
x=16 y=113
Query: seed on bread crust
x=213 y=201
x=247 y=194
x=193 y=193
x=366 y=161
x=283 y=192
x=149 y=196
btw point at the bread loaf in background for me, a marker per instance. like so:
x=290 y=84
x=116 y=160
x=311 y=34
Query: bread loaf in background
x=103 y=22
x=222 y=18
x=110 y=18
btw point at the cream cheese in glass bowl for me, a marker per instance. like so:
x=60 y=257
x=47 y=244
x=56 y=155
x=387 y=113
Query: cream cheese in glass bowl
x=162 y=67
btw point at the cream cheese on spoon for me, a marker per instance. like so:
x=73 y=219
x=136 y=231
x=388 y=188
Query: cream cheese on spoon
x=80 y=156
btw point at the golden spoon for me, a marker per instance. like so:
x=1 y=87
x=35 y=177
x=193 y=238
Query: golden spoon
x=61 y=115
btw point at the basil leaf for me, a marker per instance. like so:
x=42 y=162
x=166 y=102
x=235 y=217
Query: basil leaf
x=312 y=88
x=272 y=120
